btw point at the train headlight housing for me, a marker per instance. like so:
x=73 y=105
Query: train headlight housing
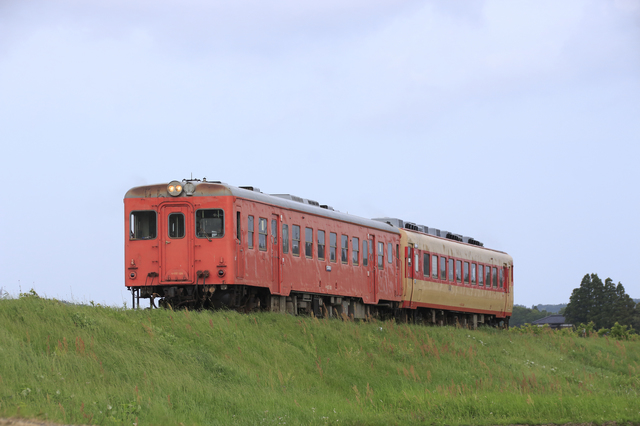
x=174 y=188
x=189 y=188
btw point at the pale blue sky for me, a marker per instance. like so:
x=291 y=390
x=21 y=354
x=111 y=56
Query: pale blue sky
x=515 y=122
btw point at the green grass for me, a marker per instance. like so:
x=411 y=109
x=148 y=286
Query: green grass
x=98 y=365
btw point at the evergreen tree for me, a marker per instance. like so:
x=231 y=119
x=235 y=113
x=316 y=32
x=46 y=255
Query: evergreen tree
x=603 y=303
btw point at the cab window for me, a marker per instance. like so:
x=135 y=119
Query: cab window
x=142 y=225
x=210 y=223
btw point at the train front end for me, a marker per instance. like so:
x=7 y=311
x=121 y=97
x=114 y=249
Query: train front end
x=179 y=244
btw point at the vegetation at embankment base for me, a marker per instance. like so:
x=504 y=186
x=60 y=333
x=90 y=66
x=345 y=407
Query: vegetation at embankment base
x=101 y=365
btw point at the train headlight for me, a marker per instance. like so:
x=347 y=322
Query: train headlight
x=174 y=188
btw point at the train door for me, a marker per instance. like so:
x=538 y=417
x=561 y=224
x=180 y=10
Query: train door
x=375 y=280
x=275 y=255
x=239 y=249
x=368 y=261
x=409 y=269
x=176 y=243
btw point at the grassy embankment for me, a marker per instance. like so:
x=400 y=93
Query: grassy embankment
x=82 y=364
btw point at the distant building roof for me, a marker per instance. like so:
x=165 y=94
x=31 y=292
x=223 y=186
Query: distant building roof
x=556 y=320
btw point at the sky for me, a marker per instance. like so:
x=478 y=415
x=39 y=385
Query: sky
x=513 y=122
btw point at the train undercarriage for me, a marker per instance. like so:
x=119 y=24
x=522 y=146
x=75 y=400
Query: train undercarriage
x=253 y=299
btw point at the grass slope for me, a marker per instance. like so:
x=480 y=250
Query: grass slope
x=97 y=365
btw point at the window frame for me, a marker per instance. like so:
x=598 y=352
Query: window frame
x=451 y=269
x=344 y=249
x=295 y=246
x=184 y=226
x=355 y=251
x=365 y=253
x=285 y=238
x=426 y=264
x=380 y=254
x=308 y=245
x=333 y=247
x=155 y=223
x=195 y=224
x=321 y=245
x=261 y=235
x=250 y=231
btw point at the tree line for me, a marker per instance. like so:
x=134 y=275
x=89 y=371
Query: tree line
x=604 y=304
x=601 y=303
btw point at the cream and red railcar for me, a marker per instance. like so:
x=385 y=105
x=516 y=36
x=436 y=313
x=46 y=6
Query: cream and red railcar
x=448 y=281
x=208 y=244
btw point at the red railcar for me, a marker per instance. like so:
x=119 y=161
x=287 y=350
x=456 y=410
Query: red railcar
x=201 y=244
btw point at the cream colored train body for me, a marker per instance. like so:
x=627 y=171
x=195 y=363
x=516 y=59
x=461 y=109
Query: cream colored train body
x=457 y=291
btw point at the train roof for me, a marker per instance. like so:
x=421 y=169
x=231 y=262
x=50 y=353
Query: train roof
x=216 y=188
x=292 y=202
x=443 y=244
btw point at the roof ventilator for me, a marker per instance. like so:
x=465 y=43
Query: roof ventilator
x=454 y=237
x=250 y=188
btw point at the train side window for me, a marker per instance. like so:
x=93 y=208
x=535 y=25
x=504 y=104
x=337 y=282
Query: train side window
x=274 y=232
x=262 y=234
x=473 y=273
x=238 y=233
x=389 y=252
x=355 y=251
x=458 y=270
x=308 y=242
x=250 y=231
x=481 y=275
x=466 y=272
x=210 y=223
x=365 y=253
x=495 y=277
x=176 y=225
x=345 y=248
x=381 y=255
x=295 y=240
x=321 y=245
x=285 y=238
x=425 y=265
x=501 y=274
x=451 y=269
x=333 y=243
x=143 y=225
x=443 y=268
x=434 y=266
x=416 y=257
x=487 y=278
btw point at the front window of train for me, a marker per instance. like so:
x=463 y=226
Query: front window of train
x=210 y=223
x=142 y=225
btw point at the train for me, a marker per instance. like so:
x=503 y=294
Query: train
x=202 y=244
